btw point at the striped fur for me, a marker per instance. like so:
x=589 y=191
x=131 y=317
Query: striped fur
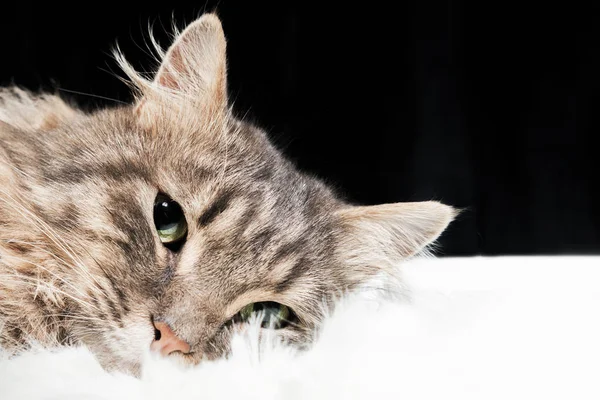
x=81 y=263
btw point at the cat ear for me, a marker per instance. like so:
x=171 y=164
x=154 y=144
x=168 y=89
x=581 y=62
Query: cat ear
x=194 y=67
x=382 y=235
x=195 y=63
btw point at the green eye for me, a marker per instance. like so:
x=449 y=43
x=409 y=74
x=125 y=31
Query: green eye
x=274 y=315
x=169 y=221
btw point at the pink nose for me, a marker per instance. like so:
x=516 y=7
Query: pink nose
x=166 y=342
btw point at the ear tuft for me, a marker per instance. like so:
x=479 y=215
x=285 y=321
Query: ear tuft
x=193 y=72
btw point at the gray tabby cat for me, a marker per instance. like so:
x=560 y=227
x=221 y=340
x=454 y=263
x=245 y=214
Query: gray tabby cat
x=170 y=223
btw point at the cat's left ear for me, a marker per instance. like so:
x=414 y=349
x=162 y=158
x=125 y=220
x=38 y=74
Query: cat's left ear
x=195 y=66
x=381 y=236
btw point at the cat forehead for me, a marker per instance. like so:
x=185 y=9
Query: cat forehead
x=196 y=165
x=114 y=144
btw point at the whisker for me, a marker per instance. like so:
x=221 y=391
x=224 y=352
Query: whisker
x=16 y=169
x=92 y=95
x=37 y=283
x=52 y=274
x=57 y=258
x=47 y=231
x=76 y=317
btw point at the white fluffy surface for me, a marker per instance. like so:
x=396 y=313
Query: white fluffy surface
x=475 y=328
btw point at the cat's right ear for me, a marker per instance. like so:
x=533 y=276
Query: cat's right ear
x=382 y=236
x=193 y=69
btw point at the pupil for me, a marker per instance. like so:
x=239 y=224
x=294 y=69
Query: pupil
x=169 y=221
x=166 y=213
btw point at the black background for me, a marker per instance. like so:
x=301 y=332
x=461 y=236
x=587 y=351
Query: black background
x=484 y=106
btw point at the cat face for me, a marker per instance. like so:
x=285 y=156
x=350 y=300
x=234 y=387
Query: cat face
x=168 y=223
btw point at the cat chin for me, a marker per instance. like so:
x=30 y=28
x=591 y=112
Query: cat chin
x=131 y=362
x=116 y=354
x=116 y=361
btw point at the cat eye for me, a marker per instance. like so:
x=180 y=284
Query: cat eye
x=274 y=315
x=169 y=221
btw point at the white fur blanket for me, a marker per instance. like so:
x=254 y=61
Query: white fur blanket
x=474 y=328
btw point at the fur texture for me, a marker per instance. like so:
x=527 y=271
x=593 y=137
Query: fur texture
x=479 y=328
x=80 y=258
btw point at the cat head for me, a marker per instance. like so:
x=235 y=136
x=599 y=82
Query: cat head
x=169 y=223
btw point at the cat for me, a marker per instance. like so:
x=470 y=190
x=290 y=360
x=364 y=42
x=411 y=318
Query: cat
x=169 y=223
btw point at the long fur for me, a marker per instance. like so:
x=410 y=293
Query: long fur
x=478 y=328
x=81 y=262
